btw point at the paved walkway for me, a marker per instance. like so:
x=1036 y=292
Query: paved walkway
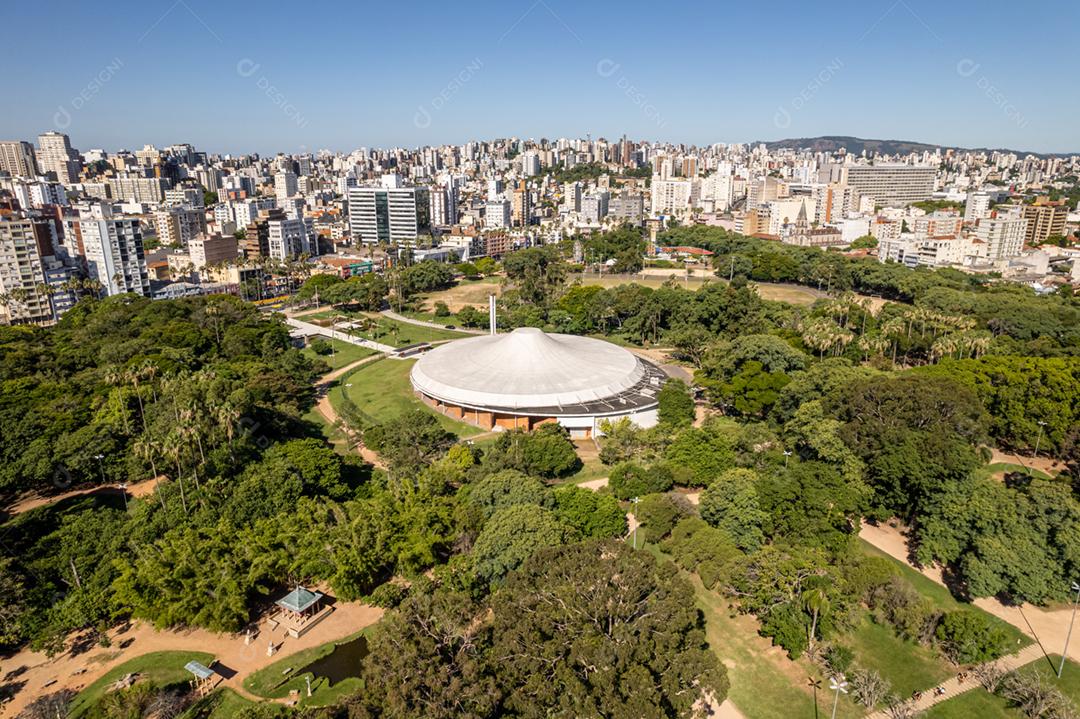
x=390 y=314
x=953 y=687
x=326 y=409
x=312 y=329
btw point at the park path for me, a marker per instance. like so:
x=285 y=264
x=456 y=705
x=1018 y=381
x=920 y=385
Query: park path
x=1047 y=627
x=326 y=409
x=390 y=314
x=33 y=501
x=308 y=329
x=954 y=687
x=34 y=670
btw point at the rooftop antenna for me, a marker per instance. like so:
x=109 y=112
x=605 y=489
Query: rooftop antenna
x=491 y=313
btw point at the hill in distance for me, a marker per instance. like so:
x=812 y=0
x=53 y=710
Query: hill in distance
x=856 y=145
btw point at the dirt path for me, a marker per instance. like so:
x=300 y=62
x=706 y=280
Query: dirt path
x=1047 y=627
x=330 y=414
x=229 y=650
x=1045 y=464
x=33 y=501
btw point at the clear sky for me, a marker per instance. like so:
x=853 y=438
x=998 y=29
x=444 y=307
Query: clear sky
x=273 y=76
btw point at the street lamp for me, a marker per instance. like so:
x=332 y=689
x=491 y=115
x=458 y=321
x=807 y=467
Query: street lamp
x=635 y=501
x=123 y=493
x=787 y=453
x=101 y=465
x=814 y=684
x=1037 y=439
x=1068 y=635
x=837 y=684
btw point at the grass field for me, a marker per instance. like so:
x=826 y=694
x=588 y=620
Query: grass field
x=982 y=704
x=907 y=666
x=1006 y=467
x=344 y=354
x=276 y=681
x=161 y=668
x=382 y=391
x=467 y=292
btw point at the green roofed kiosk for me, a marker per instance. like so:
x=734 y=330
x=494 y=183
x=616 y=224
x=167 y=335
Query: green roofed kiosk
x=299 y=610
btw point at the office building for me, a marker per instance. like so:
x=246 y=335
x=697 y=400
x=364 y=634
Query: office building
x=891 y=185
x=388 y=215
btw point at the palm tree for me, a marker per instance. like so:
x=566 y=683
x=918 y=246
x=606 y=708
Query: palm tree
x=816 y=601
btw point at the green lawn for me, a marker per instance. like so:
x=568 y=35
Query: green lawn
x=344 y=353
x=382 y=390
x=906 y=665
x=285 y=675
x=431 y=317
x=1008 y=467
x=161 y=668
x=945 y=601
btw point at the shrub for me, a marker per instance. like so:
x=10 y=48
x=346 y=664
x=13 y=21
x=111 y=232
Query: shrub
x=442 y=309
x=839 y=658
x=658 y=514
x=968 y=637
x=320 y=346
x=628 y=480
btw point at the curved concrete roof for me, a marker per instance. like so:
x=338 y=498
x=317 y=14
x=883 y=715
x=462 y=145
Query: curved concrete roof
x=526 y=368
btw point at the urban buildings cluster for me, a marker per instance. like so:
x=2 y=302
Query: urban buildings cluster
x=175 y=221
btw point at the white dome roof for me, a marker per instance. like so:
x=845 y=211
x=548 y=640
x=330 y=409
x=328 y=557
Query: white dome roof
x=526 y=368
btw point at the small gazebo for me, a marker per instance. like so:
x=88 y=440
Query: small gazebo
x=299 y=610
x=204 y=679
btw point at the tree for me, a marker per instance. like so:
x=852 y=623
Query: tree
x=704 y=452
x=410 y=441
x=628 y=480
x=592 y=514
x=658 y=514
x=731 y=503
x=597 y=629
x=545 y=452
x=676 y=404
x=506 y=489
x=512 y=535
x=427 y=658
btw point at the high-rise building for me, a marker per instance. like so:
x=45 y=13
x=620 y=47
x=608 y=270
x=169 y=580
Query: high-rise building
x=284 y=185
x=496 y=214
x=1001 y=235
x=628 y=207
x=444 y=205
x=56 y=155
x=211 y=250
x=521 y=210
x=572 y=196
x=670 y=196
x=17 y=158
x=1045 y=218
x=291 y=237
x=139 y=189
x=891 y=184
x=594 y=205
x=392 y=215
x=977 y=206
x=176 y=226
x=189 y=196
x=22 y=273
x=530 y=164
x=113 y=249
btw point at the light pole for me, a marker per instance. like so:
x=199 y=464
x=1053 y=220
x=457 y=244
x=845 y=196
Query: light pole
x=123 y=493
x=101 y=465
x=837 y=684
x=1068 y=634
x=1038 y=438
x=787 y=453
x=814 y=684
x=635 y=501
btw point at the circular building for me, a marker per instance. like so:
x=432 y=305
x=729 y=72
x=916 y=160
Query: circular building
x=529 y=377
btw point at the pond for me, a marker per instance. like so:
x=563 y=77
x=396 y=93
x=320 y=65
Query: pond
x=342 y=663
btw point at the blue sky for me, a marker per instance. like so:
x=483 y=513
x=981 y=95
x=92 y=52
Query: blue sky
x=274 y=76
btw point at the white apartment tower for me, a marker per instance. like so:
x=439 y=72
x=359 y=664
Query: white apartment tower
x=17 y=158
x=21 y=274
x=113 y=250
x=284 y=185
x=388 y=215
x=1002 y=235
x=56 y=155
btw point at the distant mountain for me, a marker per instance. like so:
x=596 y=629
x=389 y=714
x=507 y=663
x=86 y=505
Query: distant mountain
x=856 y=145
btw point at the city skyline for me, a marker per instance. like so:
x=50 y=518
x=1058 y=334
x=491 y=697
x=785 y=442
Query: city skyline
x=187 y=71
